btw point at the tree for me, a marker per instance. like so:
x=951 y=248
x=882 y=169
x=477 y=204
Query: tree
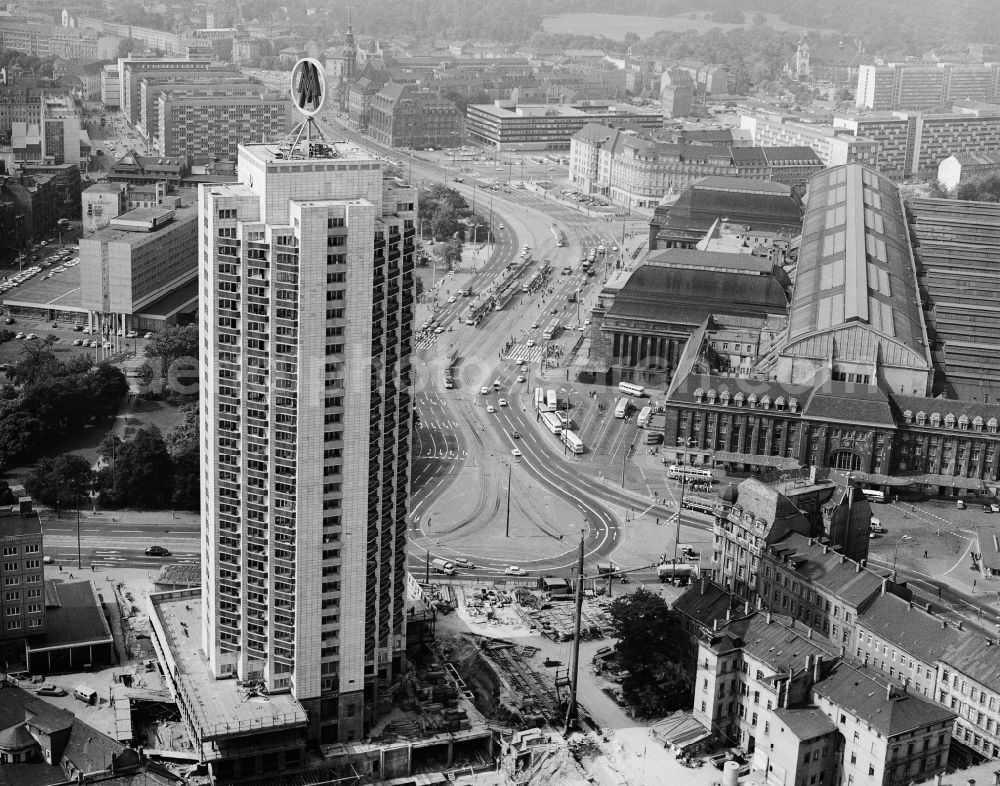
x=138 y=473
x=453 y=252
x=985 y=189
x=172 y=343
x=651 y=650
x=185 y=456
x=60 y=481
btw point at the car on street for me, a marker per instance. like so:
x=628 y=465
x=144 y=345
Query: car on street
x=93 y=345
x=534 y=326
x=515 y=434
x=514 y=570
x=77 y=342
x=148 y=335
x=156 y=551
x=995 y=506
x=451 y=299
x=502 y=402
x=31 y=336
x=500 y=226
x=490 y=408
x=521 y=378
x=9 y=321
x=132 y=334
x=463 y=562
x=485 y=391
x=516 y=453
x=439 y=329
x=19 y=336
x=47 y=560
x=48 y=689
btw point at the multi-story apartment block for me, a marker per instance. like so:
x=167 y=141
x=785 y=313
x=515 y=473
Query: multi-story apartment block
x=803 y=714
x=22 y=605
x=905 y=642
x=152 y=84
x=19 y=104
x=307 y=296
x=757 y=527
x=918 y=86
x=209 y=121
x=46 y=40
x=132 y=69
x=833 y=146
x=818 y=585
x=967 y=684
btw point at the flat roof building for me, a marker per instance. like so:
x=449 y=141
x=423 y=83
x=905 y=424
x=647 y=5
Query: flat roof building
x=509 y=126
x=22 y=611
x=305 y=419
x=139 y=257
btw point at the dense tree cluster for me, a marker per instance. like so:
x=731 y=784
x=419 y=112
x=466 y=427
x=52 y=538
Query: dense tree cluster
x=149 y=471
x=651 y=651
x=49 y=399
x=985 y=189
x=444 y=213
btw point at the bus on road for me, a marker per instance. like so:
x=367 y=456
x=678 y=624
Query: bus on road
x=551 y=330
x=572 y=441
x=551 y=422
x=551 y=402
x=539 y=400
x=621 y=408
x=558 y=234
x=644 y=415
x=628 y=389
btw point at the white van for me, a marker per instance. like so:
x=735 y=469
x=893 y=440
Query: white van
x=85 y=694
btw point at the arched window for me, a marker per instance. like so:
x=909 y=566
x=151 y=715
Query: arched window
x=779 y=402
x=936 y=419
x=977 y=423
x=712 y=394
x=921 y=418
x=738 y=399
x=908 y=416
x=963 y=422
x=949 y=420
x=793 y=405
x=765 y=402
x=699 y=394
x=724 y=398
x=991 y=425
x=752 y=400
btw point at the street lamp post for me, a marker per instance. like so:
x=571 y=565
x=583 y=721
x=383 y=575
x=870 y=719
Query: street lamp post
x=895 y=553
x=625 y=456
x=510 y=468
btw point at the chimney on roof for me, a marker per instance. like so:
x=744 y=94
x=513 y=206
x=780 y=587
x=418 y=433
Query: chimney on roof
x=825 y=548
x=817 y=668
x=857 y=567
x=888 y=691
x=728 y=614
x=863 y=562
x=842 y=558
x=809 y=661
x=702 y=592
x=768 y=617
x=760 y=602
x=843 y=651
x=715 y=624
x=810 y=634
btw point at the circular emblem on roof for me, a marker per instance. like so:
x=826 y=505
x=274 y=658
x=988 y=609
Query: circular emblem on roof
x=308 y=86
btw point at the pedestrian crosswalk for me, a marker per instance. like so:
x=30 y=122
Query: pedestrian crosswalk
x=440 y=454
x=522 y=353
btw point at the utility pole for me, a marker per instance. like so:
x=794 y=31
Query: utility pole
x=571 y=713
x=680 y=507
x=427 y=567
x=510 y=468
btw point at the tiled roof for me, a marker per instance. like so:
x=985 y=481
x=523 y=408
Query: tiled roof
x=830 y=570
x=806 y=724
x=910 y=628
x=706 y=602
x=780 y=643
x=767 y=504
x=858 y=691
x=976 y=658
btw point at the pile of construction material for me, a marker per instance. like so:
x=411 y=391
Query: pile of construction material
x=557 y=621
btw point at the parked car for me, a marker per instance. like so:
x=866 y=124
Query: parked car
x=156 y=551
x=514 y=570
x=48 y=689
